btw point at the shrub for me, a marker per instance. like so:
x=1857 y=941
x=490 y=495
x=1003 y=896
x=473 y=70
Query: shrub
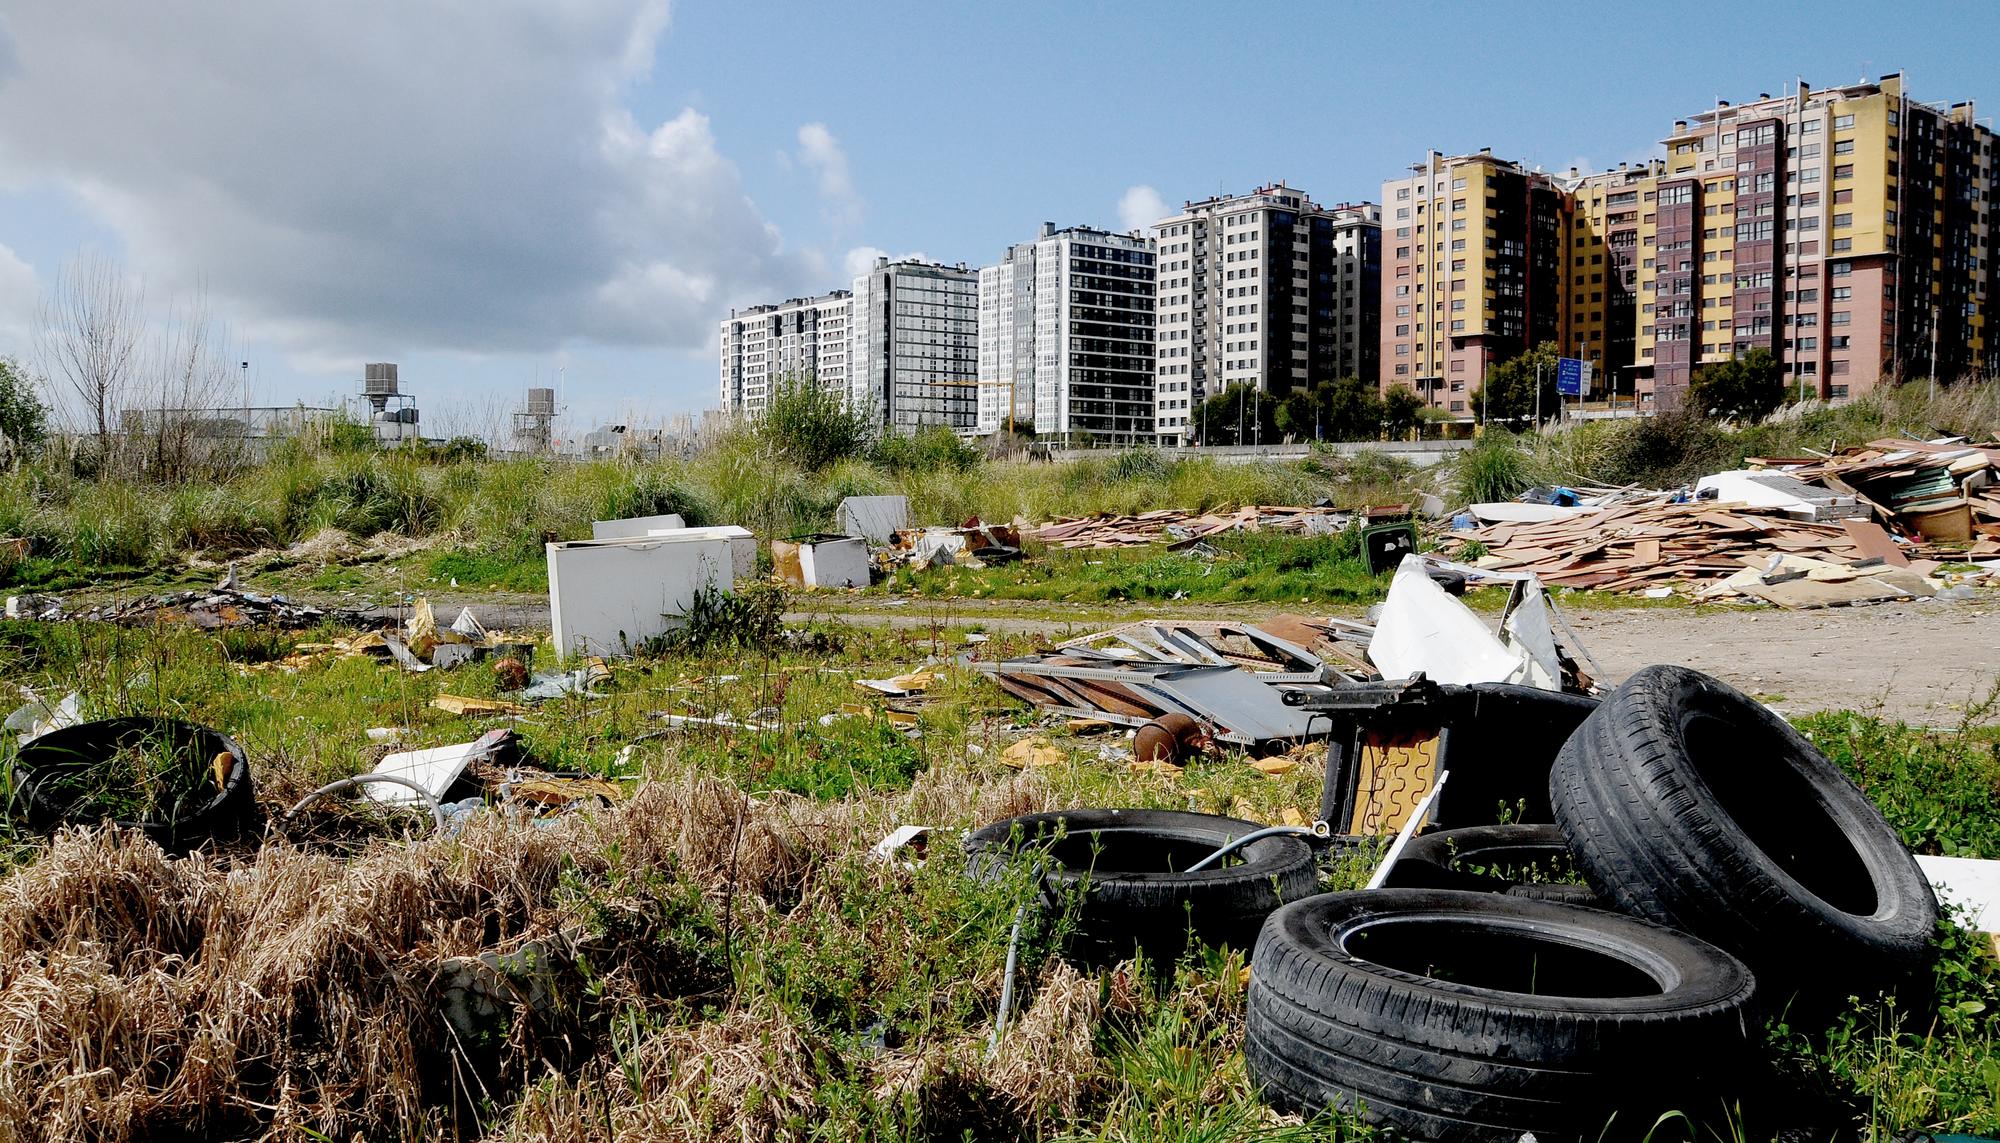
x=811 y=425
x=932 y=448
x=1497 y=468
x=653 y=492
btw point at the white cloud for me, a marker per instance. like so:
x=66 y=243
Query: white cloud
x=1140 y=208
x=821 y=153
x=19 y=294
x=389 y=176
x=861 y=259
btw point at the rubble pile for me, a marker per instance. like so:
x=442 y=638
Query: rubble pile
x=1874 y=522
x=207 y=610
x=1180 y=527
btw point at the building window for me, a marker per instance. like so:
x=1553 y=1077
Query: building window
x=1842 y=122
x=1841 y=221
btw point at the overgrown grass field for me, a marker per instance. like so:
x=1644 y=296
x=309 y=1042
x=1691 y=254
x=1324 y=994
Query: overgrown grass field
x=745 y=969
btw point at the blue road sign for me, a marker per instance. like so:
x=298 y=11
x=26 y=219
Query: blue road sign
x=1570 y=375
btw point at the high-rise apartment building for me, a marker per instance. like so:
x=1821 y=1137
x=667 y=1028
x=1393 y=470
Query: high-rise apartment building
x=1847 y=230
x=1268 y=290
x=801 y=338
x=1601 y=271
x=1472 y=272
x=1066 y=336
x=913 y=349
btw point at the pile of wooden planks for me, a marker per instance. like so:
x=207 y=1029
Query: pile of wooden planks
x=1637 y=547
x=1110 y=531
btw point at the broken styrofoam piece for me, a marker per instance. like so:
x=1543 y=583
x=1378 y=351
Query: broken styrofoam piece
x=635 y=526
x=1765 y=489
x=1970 y=883
x=904 y=846
x=875 y=519
x=1514 y=512
x=468 y=625
x=38 y=716
x=578 y=682
x=1423 y=629
x=1525 y=627
x=435 y=769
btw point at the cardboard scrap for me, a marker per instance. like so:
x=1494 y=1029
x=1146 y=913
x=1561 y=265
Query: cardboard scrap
x=463 y=704
x=1032 y=752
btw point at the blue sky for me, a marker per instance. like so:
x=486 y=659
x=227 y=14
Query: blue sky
x=488 y=192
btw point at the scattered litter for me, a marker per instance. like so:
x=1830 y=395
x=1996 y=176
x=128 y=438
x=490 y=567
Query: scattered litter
x=581 y=681
x=468 y=625
x=681 y=721
x=901 y=686
x=387 y=733
x=404 y=656
x=38 y=716
x=906 y=846
x=436 y=770
x=970 y=545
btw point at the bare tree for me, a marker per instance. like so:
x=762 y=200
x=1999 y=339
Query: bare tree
x=88 y=335
x=186 y=383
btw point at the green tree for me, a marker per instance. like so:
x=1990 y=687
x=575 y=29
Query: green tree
x=1232 y=417
x=1402 y=409
x=1353 y=411
x=1340 y=410
x=1745 y=388
x=810 y=425
x=1508 y=394
x=23 y=416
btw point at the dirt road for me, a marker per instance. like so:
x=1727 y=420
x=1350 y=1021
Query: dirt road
x=1922 y=662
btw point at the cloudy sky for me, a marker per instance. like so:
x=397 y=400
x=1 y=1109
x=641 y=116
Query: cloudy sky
x=489 y=191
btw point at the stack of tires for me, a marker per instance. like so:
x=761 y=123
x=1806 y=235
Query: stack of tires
x=1732 y=872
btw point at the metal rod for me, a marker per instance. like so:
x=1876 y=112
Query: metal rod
x=1321 y=830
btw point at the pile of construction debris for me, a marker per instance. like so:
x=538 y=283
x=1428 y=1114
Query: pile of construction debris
x=1178 y=528
x=1872 y=523
x=226 y=606
x=1249 y=685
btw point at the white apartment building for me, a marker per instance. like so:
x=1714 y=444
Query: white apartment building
x=913 y=345
x=1066 y=336
x=1268 y=290
x=806 y=338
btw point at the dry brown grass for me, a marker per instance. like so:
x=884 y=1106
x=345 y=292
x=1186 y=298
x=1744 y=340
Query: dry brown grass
x=142 y=996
